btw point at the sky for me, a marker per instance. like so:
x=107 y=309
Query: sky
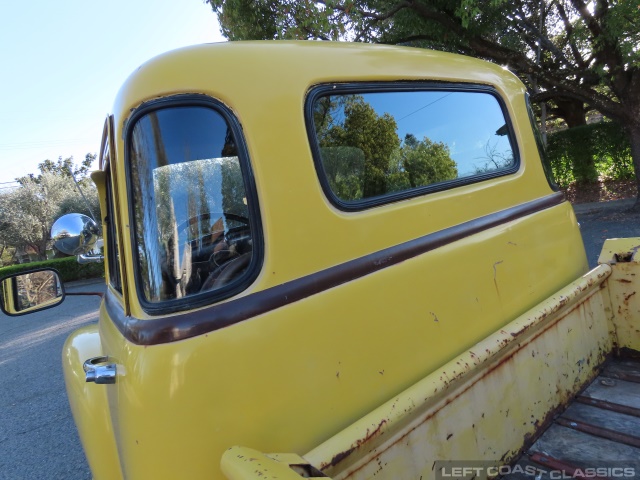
x=63 y=62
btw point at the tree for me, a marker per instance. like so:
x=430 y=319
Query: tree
x=6 y=254
x=28 y=212
x=65 y=168
x=570 y=52
x=373 y=135
x=363 y=156
x=425 y=162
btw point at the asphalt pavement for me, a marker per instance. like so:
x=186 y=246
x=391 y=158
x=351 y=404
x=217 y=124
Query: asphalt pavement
x=599 y=221
x=38 y=439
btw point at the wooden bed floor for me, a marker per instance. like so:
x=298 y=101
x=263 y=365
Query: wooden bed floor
x=597 y=436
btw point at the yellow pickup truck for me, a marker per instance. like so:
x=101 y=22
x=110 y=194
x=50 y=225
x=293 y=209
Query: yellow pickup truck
x=346 y=261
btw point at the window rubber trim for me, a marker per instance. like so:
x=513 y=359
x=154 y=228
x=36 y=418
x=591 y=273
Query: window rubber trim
x=399 y=86
x=542 y=149
x=113 y=254
x=205 y=298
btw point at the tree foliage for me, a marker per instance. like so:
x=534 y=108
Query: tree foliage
x=588 y=51
x=375 y=136
x=65 y=168
x=68 y=268
x=588 y=153
x=28 y=211
x=425 y=162
x=575 y=52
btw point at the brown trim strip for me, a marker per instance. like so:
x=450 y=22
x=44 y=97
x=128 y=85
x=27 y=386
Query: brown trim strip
x=186 y=325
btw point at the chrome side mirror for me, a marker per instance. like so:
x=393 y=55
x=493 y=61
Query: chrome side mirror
x=76 y=234
x=30 y=292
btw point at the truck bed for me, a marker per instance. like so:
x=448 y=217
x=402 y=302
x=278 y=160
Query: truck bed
x=600 y=429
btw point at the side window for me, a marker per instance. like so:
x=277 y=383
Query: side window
x=115 y=278
x=113 y=253
x=195 y=231
x=379 y=144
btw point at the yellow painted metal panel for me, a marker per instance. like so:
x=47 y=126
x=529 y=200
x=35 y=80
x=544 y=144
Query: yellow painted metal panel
x=622 y=253
x=89 y=405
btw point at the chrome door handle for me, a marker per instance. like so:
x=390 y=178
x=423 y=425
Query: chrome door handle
x=100 y=370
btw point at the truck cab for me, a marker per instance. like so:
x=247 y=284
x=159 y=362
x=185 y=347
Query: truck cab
x=297 y=232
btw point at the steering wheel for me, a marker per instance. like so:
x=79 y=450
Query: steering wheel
x=226 y=251
x=208 y=216
x=214 y=241
x=227 y=272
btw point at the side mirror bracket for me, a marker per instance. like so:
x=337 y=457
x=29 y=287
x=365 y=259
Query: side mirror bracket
x=84 y=259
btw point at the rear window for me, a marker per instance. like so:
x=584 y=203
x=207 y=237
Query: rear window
x=379 y=143
x=195 y=226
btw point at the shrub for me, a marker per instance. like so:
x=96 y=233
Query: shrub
x=68 y=267
x=588 y=153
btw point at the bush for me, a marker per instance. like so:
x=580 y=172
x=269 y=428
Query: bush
x=68 y=267
x=588 y=153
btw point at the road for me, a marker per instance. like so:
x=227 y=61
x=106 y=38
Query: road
x=37 y=437
x=599 y=221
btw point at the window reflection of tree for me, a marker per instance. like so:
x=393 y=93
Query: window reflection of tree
x=494 y=158
x=37 y=288
x=363 y=156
